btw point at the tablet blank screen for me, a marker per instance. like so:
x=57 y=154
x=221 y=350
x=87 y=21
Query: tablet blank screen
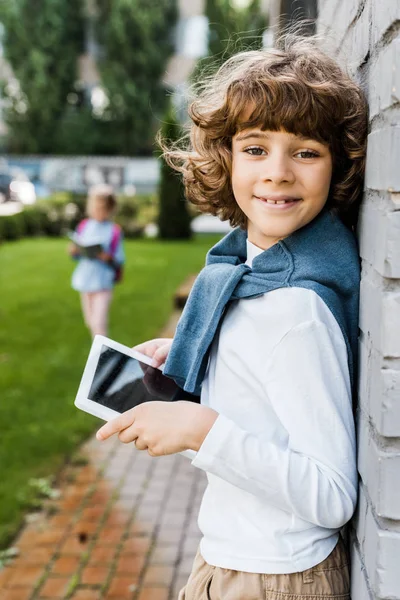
x=121 y=382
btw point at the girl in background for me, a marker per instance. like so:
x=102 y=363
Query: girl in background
x=94 y=278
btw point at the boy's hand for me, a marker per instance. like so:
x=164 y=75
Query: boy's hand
x=162 y=427
x=156 y=349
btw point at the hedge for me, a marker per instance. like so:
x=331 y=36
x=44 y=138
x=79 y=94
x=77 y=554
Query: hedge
x=61 y=213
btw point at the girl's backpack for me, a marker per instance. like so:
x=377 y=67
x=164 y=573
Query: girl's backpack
x=116 y=236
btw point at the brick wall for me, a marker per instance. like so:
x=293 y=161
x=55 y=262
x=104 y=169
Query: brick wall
x=366 y=35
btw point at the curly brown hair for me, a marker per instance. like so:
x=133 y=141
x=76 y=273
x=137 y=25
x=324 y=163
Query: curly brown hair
x=295 y=87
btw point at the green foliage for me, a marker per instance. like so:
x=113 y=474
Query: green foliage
x=43 y=39
x=60 y=213
x=136 y=36
x=11 y=228
x=174 y=218
x=35 y=492
x=231 y=30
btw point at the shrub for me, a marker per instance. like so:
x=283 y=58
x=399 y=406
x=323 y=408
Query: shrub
x=11 y=227
x=174 y=217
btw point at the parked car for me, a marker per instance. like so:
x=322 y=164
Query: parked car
x=16 y=187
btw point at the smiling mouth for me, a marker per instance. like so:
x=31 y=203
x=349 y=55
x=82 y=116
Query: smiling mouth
x=278 y=201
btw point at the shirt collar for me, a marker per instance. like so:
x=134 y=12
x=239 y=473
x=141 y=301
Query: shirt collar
x=252 y=252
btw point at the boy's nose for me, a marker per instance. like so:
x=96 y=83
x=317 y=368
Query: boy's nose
x=277 y=169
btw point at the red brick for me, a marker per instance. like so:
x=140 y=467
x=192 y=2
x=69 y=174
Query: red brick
x=66 y=565
x=118 y=517
x=5 y=575
x=60 y=520
x=130 y=563
x=55 y=587
x=87 y=474
x=122 y=587
x=33 y=556
x=51 y=537
x=26 y=539
x=73 y=545
x=16 y=594
x=85 y=527
x=93 y=513
x=25 y=576
x=94 y=575
x=99 y=498
x=86 y=595
x=136 y=545
x=71 y=503
x=154 y=593
x=110 y=535
x=102 y=555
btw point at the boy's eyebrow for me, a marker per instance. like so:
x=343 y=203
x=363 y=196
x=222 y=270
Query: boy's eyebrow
x=251 y=134
x=263 y=134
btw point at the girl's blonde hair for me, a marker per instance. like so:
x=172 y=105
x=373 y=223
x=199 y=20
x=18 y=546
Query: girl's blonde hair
x=295 y=87
x=104 y=193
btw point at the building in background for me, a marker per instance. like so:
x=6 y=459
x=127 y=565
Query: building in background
x=191 y=43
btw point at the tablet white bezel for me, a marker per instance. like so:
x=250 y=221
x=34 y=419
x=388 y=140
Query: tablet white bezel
x=82 y=401
x=93 y=408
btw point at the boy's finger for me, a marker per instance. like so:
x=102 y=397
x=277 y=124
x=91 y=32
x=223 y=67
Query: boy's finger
x=160 y=355
x=115 y=425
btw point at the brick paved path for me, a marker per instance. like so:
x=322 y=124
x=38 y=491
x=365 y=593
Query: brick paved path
x=124 y=527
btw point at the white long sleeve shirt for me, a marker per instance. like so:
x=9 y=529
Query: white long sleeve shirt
x=281 y=456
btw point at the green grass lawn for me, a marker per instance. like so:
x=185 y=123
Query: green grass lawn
x=44 y=344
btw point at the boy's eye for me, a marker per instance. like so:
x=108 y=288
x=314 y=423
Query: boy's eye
x=254 y=151
x=307 y=154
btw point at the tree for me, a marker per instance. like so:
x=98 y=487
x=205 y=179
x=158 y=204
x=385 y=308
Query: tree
x=136 y=37
x=231 y=30
x=42 y=41
x=174 y=218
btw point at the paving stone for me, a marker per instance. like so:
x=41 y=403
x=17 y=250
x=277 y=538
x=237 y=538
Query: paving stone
x=55 y=587
x=154 y=593
x=16 y=594
x=84 y=594
x=122 y=587
x=95 y=575
x=65 y=565
x=25 y=576
x=102 y=555
x=130 y=563
x=158 y=575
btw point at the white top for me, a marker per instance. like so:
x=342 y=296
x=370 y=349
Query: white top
x=281 y=456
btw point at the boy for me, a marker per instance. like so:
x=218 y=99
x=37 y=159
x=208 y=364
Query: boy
x=269 y=333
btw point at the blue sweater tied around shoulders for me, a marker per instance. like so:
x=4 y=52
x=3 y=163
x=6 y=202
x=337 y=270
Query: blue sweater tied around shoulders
x=322 y=256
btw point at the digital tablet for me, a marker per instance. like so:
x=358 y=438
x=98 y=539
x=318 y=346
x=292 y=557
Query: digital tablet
x=117 y=378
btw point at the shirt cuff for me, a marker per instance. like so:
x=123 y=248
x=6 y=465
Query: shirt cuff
x=213 y=443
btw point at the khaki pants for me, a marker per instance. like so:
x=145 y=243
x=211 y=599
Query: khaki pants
x=329 y=579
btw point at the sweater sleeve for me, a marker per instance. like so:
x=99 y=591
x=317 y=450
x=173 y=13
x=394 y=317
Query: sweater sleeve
x=313 y=474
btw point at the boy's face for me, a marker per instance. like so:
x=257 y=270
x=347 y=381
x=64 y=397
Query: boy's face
x=280 y=181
